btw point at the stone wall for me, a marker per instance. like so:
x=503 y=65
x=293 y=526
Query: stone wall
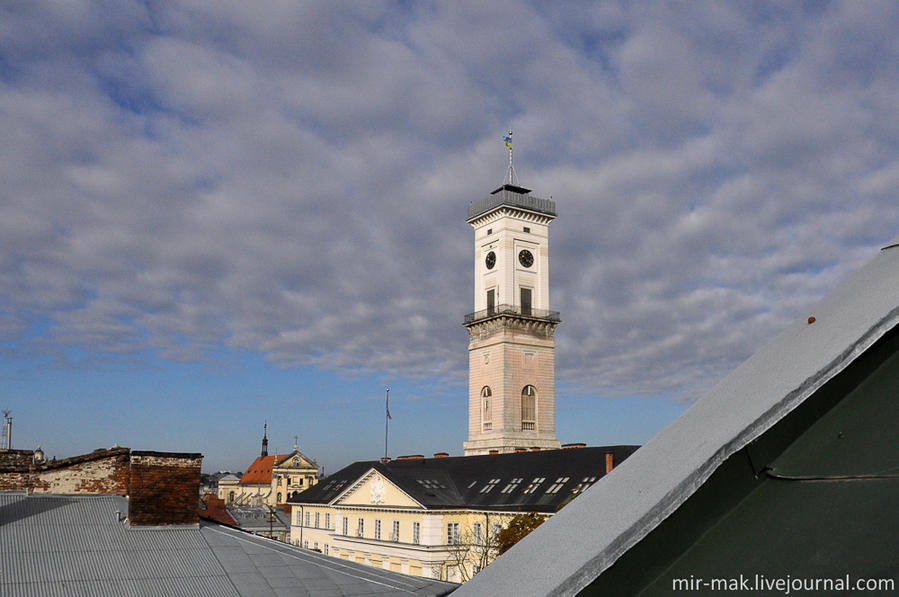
x=163 y=487
x=101 y=471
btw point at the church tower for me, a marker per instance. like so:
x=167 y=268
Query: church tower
x=511 y=364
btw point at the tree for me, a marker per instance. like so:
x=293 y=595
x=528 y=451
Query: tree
x=475 y=548
x=517 y=529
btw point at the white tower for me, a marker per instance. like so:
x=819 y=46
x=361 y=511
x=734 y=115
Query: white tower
x=511 y=348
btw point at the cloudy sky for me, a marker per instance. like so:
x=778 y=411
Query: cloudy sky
x=214 y=214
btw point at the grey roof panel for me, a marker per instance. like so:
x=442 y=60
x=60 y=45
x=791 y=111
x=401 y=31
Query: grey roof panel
x=75 y=545
x=585 y=538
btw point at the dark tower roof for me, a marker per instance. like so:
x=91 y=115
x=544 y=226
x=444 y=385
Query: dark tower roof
x=512 y=196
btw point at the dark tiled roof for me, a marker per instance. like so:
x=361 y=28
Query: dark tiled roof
x=533 y=481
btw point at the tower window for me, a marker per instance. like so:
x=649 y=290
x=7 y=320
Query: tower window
x=486 y=417
x=525 y=301
x=529 y=408
x=491 y=301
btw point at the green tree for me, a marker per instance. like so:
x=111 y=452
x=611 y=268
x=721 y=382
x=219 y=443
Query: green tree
x=517 y=529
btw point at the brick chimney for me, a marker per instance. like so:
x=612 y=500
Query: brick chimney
x=610 y=462
x=164 y=488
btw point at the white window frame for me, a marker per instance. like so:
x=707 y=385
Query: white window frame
x=452 y=533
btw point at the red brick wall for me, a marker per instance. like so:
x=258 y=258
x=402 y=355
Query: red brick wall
x=164 y=488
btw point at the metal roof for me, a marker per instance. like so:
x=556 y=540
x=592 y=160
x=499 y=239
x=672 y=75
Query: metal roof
x=78 y=545
x=566 y=553
x=511 y=196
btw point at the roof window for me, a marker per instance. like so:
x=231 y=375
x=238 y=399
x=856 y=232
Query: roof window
x=534 y=484
x=512 y=485
x=490 y=485
x=555 y=487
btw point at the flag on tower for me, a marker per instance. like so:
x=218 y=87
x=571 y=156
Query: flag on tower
x=508 y=140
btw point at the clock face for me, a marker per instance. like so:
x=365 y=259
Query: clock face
x=526 y=258
x=490 y=261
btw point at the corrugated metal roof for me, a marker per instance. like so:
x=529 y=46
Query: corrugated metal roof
x=77 y=545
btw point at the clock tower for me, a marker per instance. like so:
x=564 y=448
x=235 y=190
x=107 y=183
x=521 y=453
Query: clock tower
x=511 y=349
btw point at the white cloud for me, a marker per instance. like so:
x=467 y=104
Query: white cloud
x=293 y=179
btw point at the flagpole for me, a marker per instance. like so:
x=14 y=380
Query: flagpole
x=508 y=141
x=386 y=421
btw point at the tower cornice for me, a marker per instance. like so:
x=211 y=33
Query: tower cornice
x=508 y=196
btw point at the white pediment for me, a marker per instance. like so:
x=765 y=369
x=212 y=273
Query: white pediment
x=375 y=490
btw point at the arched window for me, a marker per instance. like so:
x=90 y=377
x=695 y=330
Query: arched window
x=529 y=408
x=230 y=497
x=486 y=414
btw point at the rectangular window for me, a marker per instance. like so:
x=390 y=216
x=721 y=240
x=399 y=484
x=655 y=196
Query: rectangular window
x=306 y=543
x=490 y=485
x=534 y=484
x=395 y=536
x=299 y=517
x=491 y=301
x=526 y=229
x=328 y=520
x=525 y=301
x=512 y=485
x=378 y=528
x=360 y=528
x=452 y=533
x=316 y=519
x=307 y=519
x=476 y=531
x=416 y=533
x=315 y=545
x=346 y=524
x=326 y=549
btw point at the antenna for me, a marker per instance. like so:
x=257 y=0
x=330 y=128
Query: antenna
x=7 y=428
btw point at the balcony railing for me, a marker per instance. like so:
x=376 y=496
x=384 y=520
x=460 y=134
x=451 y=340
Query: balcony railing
x=513 y=310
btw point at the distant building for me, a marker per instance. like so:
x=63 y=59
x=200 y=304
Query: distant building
x=783 y=474
x=264 y=521
x=439 y=517
x=270 y=480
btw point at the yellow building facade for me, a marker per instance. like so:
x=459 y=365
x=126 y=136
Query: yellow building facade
x=439 y=517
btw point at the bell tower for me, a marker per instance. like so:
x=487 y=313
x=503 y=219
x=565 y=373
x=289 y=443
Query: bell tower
x=511 y=348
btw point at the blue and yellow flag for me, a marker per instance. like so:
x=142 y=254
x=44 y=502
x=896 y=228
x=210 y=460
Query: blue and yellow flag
x=508 y=140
